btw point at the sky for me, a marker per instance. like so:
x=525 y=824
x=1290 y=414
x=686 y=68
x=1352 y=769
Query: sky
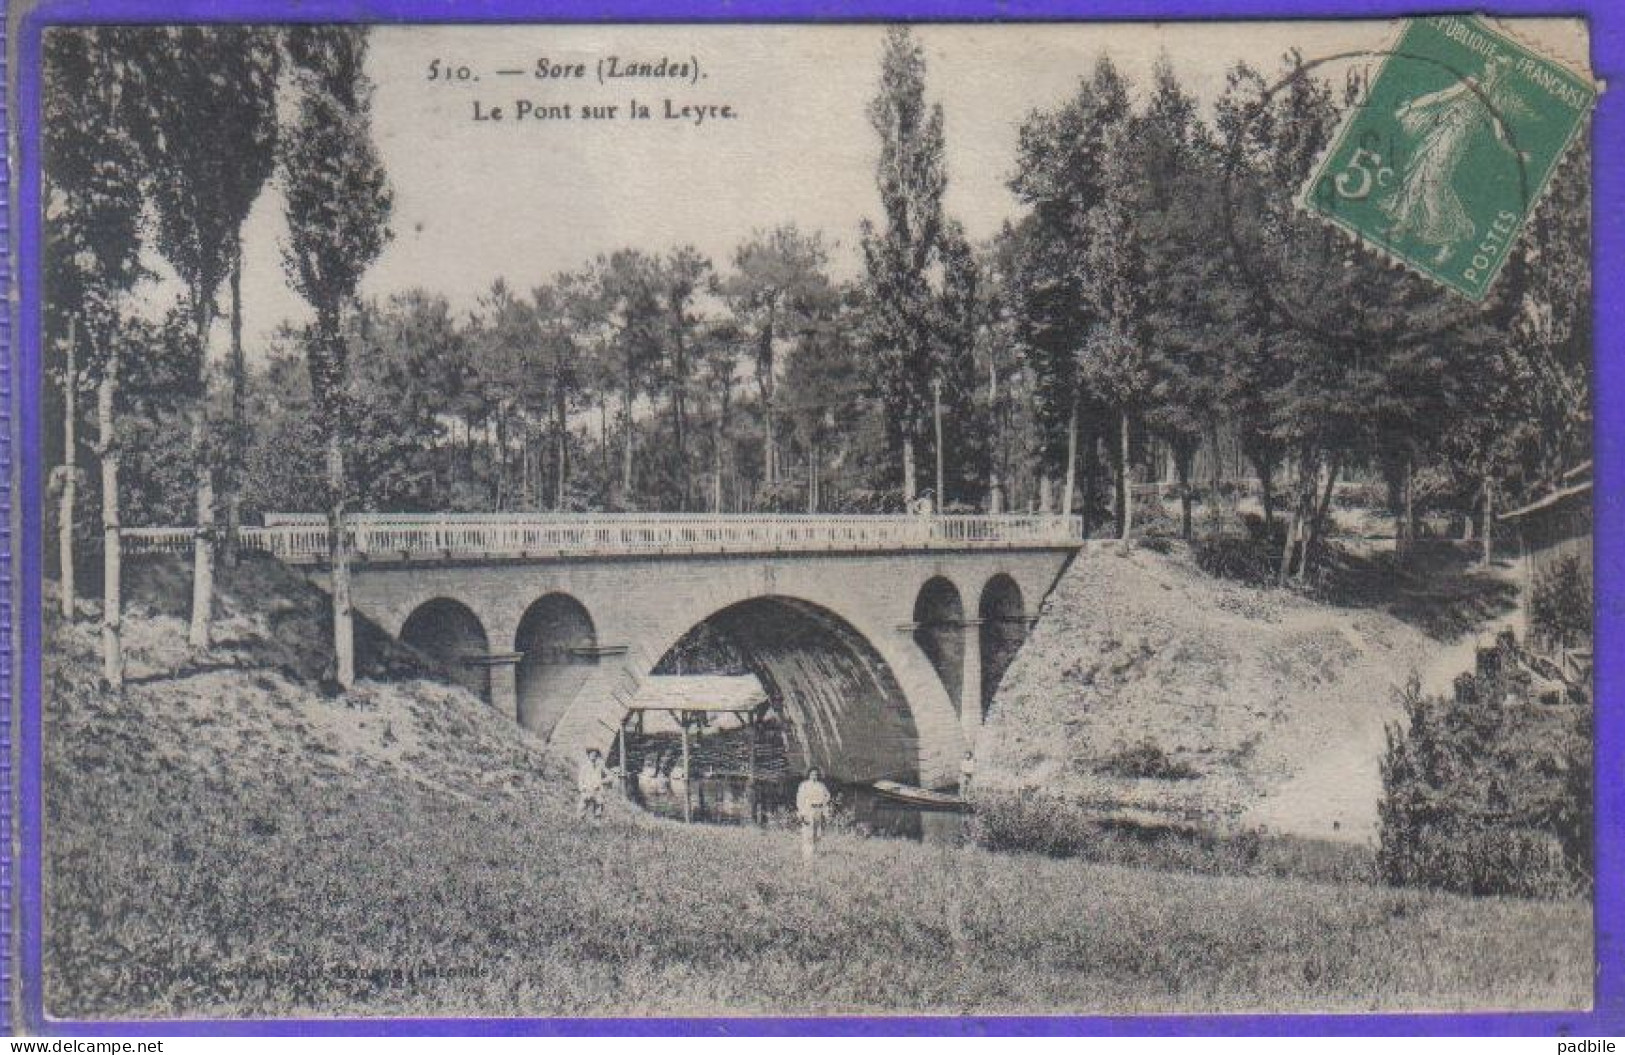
x=523 y=200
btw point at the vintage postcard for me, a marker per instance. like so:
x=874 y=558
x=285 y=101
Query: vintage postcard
x=806 y=519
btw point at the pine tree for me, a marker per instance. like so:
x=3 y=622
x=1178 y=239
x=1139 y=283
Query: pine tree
x=777 y=292
x=567 y=310
x=1063 y=176
x=682 y=277
x=631 y=345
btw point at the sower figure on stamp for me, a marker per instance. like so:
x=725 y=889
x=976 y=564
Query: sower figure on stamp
x=591 y=779
x=812 y=806
x=1425 y=205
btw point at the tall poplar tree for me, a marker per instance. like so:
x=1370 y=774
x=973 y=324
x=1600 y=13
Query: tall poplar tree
x=899 y=255
x=92 y=127
x=338 y=203
x=1192 y=303
x=211 y=98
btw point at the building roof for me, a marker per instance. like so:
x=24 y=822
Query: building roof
x=700 y=692
x=1556 y=498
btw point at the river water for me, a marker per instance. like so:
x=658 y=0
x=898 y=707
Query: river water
x=721 y=791
x=858 y=808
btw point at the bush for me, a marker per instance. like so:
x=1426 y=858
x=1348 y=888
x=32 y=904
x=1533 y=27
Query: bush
x=1146 y=761
x=1033 y=822
x=1486 y=794
x=1433 y=491
x=1153 y=517
x=883 y=501
x=1249 y=560
x=1560 y=602
x=1362 y=494
x=785 y=496
x=1270 y=533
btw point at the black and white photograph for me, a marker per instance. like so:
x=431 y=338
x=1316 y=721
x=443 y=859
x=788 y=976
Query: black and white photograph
x=763 y=520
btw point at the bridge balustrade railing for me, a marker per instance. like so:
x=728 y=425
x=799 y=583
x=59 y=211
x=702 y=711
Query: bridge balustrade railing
x=303 y=538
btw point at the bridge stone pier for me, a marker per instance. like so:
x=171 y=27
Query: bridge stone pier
x=882 y=640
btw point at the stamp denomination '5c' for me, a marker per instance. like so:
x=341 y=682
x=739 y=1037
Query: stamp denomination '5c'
x=1450 y=149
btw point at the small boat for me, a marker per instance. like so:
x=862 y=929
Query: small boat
x=922 y=797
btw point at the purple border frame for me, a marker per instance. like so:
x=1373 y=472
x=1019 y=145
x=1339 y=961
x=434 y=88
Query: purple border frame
x=20 y=525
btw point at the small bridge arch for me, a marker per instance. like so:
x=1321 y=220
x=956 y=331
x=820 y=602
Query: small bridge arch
x=939 y=630
x=449 y=633
x=1003 y=622
x=556 y=644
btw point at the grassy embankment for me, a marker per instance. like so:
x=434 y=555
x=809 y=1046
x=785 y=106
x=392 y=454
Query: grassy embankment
x=1153 y=693
x=228 y=840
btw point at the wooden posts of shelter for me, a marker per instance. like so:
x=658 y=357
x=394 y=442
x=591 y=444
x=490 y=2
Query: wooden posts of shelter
x=687 y=698
x=688 y=797
x=750 y=764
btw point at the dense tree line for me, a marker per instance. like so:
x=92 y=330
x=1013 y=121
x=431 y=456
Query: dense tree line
x=1166 y=286
x=1156 y=297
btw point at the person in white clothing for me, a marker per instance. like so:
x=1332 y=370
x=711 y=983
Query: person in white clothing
x=967 y=774
x=591 y=780
x=812 y=806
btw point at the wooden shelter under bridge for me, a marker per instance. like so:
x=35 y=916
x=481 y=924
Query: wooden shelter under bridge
x=693 y=701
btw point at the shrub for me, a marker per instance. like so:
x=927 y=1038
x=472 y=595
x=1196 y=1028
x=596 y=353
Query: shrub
x=1034 y=822
x=885 y=501
x=1362 y=494
x=1146 y=761
x=1433 y=490
x=1153 y=518
x=1560 y=602
x=785 y=496
x=1486 y=794
x=1248 y=560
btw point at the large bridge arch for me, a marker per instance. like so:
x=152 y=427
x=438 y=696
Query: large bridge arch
x=849 y=714
x=556 y=643
x=864 y=604
x=449 y=633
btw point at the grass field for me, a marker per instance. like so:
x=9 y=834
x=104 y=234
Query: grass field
x=226 y=840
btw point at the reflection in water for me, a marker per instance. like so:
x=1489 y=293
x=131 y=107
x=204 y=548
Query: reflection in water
x=727 y=800
x=722 y=790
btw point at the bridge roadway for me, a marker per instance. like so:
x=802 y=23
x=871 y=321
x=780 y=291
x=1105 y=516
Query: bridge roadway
x=883 y=638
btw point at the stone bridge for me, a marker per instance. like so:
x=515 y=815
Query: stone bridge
x=882 y=638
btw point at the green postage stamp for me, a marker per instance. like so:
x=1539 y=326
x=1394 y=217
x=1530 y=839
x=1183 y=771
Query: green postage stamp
x=1445 y=159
